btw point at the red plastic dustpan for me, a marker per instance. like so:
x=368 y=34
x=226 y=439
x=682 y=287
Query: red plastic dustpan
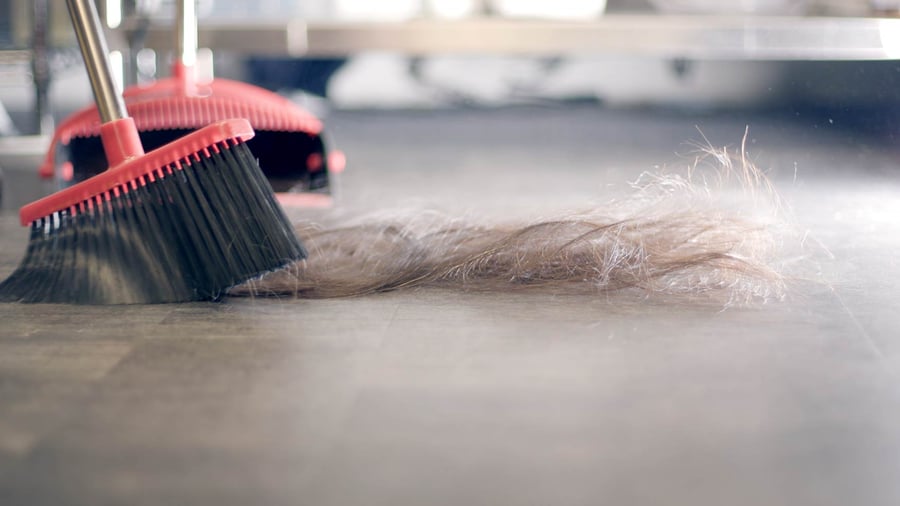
x=288 y=143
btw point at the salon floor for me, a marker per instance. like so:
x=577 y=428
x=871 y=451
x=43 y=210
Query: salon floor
x=451 y=398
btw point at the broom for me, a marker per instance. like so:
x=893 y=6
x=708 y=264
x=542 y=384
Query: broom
x=183 y=222
x=289 y=142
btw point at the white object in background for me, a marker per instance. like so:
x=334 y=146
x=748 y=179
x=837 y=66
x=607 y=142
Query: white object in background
x=549 y=9
x=624 y=81
x=379 y=81
x=890 y=39
x=484 y=79
x=452 y=9
x=731 y=6
x=381 y=10
x=885 y=5
x=6 y=123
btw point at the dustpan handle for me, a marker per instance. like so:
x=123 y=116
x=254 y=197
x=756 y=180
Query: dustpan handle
x=184 y=66
x=186 y=28
x=94 y=50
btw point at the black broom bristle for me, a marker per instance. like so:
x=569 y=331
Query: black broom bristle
x=186 y=232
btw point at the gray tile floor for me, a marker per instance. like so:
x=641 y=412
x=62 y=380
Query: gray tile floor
x=441 y=397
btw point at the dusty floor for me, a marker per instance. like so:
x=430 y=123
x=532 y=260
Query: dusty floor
x=441 y=397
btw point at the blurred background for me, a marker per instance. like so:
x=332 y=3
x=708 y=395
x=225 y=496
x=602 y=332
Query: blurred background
x=824 y=62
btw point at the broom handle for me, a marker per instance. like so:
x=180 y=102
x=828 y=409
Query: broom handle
x=94 y=50
x=118 y=133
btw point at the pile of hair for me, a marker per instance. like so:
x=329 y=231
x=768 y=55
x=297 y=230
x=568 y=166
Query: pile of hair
x=712 y=231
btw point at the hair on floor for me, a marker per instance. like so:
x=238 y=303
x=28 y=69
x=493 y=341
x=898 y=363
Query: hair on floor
x=712 y=231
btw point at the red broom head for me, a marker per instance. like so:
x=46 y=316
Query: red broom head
x=125 y=174
x=182 y=222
